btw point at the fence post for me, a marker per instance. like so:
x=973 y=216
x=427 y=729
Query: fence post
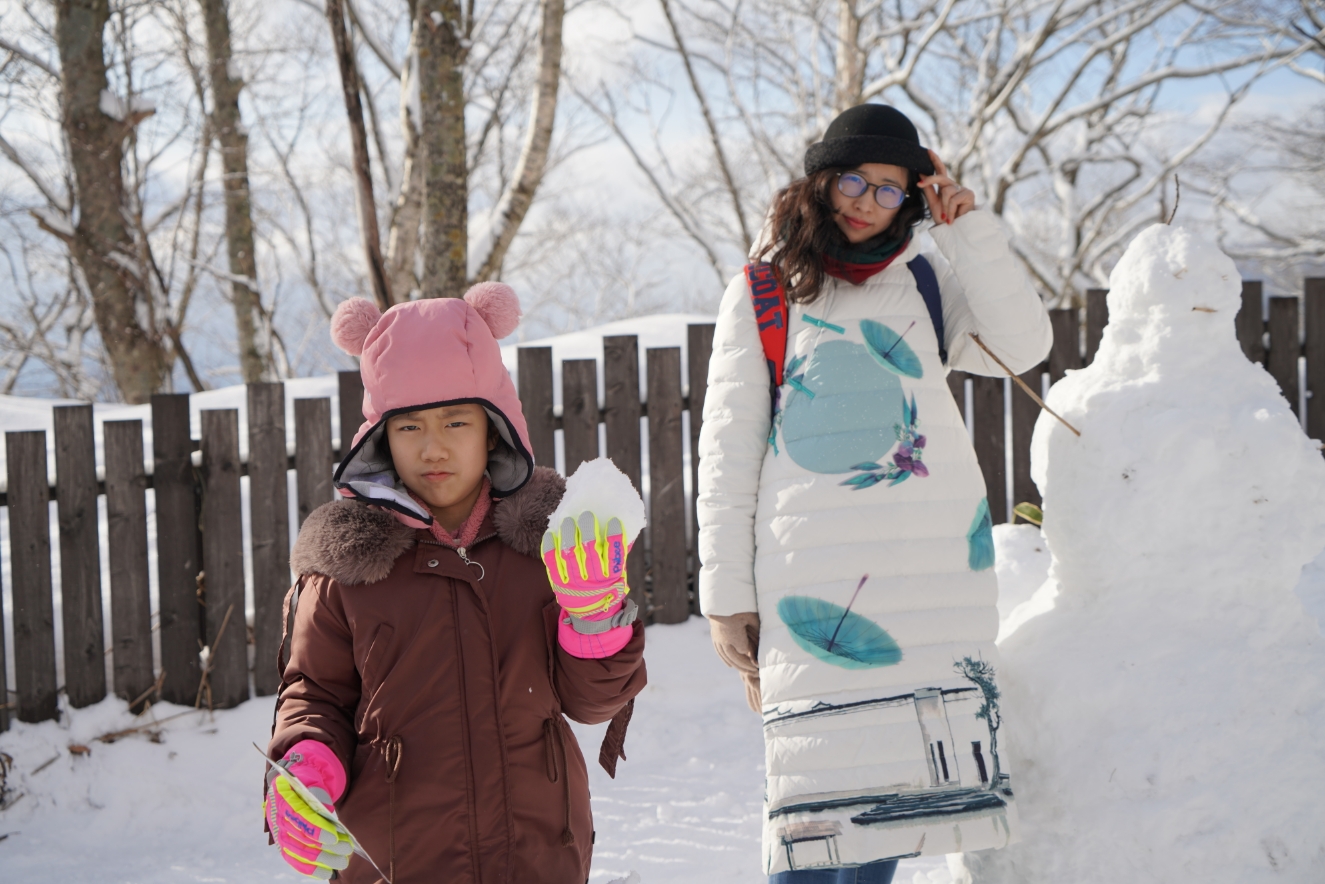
x=1066 y=353
x=350 y=393
x=1097 y=317
x=223 y=559
x=269 y=518
x=80 y=556
x=1314 y=296
x=957 y=386
x=130 y=591
x=667 y=559
x=621 y=400
x=1024 y=414
x=30 y=567
x=178 y=546
x=534 y=367
x=699 y=347
x=1251 y=321
x=987 y=420
x=4 y=677
x=1285 y=348
x=579 y=411
x=312 y=457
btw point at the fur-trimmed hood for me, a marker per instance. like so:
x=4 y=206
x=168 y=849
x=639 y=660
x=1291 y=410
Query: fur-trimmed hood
x=354 y=544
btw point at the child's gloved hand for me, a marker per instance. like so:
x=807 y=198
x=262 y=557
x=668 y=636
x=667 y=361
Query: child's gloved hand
x=586 y=563
x=312 y=844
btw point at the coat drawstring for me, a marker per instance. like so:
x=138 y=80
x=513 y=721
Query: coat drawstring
x=550 y=726
x=392 y=754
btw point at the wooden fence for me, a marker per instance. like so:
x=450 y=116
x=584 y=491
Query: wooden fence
x=199 y=540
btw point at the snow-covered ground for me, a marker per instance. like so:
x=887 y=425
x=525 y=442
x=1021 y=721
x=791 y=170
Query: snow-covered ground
x=180 y=802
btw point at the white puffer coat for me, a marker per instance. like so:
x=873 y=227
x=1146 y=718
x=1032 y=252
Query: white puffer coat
x=854 y=521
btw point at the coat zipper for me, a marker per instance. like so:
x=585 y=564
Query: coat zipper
x=463 y=552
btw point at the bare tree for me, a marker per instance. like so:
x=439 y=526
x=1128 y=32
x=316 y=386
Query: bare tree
x=96 y=122
x=1052 y=112
x=519 y=196
x=363 y=178
x=251 y=322
x=1267 y=186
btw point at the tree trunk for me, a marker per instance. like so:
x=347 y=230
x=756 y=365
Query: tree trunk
x=514 y=205
x=403 y=236
x=849 y=82
x=363 y=176
x=102 y=244
x=250 y=321
x=445 y=178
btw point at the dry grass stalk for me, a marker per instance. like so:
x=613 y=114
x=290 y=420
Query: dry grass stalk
x=112 y=736
x=203 y=683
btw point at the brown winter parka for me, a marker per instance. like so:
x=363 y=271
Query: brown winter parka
x=442 y=688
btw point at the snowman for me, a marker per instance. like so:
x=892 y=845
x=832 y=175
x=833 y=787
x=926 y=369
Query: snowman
x=1170 y=691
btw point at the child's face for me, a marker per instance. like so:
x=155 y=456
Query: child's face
x=862 y=218
x=440 y=454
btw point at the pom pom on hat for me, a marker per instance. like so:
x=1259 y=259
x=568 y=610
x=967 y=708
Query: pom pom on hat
x=498 y=304
x=352 y=322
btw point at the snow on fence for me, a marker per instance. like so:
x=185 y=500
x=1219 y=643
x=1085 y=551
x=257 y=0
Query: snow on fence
x=200 y=548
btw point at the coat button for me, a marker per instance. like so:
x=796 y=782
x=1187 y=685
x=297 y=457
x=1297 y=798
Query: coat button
x=432 y=563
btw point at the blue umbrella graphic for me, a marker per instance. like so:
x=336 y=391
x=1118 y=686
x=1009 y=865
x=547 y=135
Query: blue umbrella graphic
x=835 y=635
x=889 y=350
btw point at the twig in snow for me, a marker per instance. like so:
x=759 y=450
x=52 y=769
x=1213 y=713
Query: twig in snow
x=203 y=683
x=46 y=764
x=1020 y=383
x=112 y=736
x=154 y=689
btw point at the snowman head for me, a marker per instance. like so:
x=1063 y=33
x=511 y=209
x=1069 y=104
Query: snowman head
x=1172 y=278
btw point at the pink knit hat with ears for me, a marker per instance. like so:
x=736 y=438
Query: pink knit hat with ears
x=425 y=354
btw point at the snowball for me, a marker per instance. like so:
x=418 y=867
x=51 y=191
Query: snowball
x=602 y=489
x=1166 y=689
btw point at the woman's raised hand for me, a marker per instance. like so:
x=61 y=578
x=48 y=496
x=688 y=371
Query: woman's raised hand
x=947 y=199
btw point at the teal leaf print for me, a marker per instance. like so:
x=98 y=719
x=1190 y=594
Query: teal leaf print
x=980 y=539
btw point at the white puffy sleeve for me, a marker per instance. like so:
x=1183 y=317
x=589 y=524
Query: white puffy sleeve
x=986 y=290
x=737 y=414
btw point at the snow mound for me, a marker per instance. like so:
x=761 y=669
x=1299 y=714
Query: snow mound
x=1168 y=685
x=602 y=489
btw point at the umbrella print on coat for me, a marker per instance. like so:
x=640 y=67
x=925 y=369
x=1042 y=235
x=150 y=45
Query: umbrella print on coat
x=889 y=350
x=837 y=635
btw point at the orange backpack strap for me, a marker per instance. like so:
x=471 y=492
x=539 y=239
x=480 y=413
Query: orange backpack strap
x=770 y=302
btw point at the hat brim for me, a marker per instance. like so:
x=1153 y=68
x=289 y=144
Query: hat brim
x=852 y=150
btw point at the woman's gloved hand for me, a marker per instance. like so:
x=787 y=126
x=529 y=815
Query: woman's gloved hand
x=736 y=639
x=586 y=563
x=312 y=844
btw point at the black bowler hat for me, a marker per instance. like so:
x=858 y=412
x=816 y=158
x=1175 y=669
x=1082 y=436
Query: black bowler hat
x=869 y=133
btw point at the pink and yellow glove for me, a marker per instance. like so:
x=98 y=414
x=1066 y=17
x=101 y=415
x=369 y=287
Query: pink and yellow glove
x=586 y=564
x=312 y=844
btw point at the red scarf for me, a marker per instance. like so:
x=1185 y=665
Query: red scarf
x=856 y=273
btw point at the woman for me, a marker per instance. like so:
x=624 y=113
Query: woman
x=845 y=533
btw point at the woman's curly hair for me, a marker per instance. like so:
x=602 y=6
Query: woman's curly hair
x=802 y=218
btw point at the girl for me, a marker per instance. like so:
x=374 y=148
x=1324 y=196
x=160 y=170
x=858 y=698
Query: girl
x=844 y=531
x=429 y=663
